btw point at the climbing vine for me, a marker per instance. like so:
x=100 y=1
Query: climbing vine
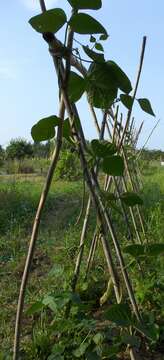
x=84 y=71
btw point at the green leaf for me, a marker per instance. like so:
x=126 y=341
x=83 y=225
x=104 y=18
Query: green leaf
x=154 y=249
x=146 y=106
x=102 y=77
x=131 y=198
x=99 y=47
x=99 y=58
x=49 y=21
x=58 y=349
x=113 y=165
x=120 y=314
x=92 y=39
x=103 y=148
x=55 y=357
x=66 y=129
x=126 y=100
x=134 y=250
x=45 y=128
x=50 y=302
x=98 y=338
x=57 y=271
x=76 y=86
x=110 y=352
x=36 y=307
x=108 y=196
x=121 y=78
x=150 y=331
x=130 y=340
x=92 y=356
x=86 y=4
x=109 y=76
x=86 y=24
x=103 y=37
x=81 y=350
x=101 y=98
x=67 y=133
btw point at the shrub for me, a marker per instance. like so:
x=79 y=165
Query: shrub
x=69 y=166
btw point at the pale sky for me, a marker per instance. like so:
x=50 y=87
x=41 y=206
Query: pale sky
x=28 y=90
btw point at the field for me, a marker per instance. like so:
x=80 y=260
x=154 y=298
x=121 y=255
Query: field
x=56 y=252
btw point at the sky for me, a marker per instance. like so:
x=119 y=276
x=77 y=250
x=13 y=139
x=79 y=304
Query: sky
x=28 y=90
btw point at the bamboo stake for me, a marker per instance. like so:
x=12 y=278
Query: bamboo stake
x=34 y=235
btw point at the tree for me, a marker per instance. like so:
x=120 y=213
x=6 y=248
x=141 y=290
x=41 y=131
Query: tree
x=41 y=150
x=19 y=149
x=2 y=154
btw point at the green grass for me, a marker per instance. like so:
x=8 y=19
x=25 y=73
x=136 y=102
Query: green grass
x=20 y=198
x=58 y=241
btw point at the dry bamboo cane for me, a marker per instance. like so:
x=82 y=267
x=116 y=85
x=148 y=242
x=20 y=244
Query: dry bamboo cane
x=134 y=189
x=72 y=112
x=126 y=189
x=132 y=351
x=36 y=224
x=79 y=258
x=83 y=234
x=135 y=89
x=106 y=187
x=93 y=185
x=35 y=234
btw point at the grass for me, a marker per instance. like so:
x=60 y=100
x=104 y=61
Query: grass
x=58 y=241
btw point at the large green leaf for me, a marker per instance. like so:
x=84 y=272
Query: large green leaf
x=131 y=198
x=49 y=21
x=120 y=314
x=121 y=78
x=102 y=77
x=126 y=100
x=154 y=249
x=86 y=24
x=134 y=250
x=147 y=250
x=86 y=4
x=146 y=106
x=103 y=148
x=76 y=87
x=101 y=98
x=99 y=58
x=45 y=128
x=113 y=165
x=109 y=75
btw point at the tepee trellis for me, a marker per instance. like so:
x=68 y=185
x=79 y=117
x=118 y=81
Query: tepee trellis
x=120 y=135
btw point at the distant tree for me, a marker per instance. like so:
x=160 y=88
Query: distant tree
x=2 y=155
x=152 y=154
x=41 y=150
x=19 y=149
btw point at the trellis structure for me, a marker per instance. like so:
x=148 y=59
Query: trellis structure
x=115 y=156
